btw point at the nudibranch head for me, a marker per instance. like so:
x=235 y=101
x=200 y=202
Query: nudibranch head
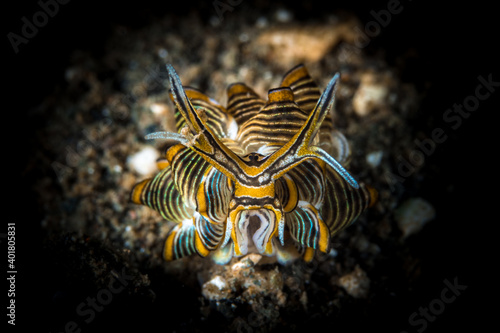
x=258 y=176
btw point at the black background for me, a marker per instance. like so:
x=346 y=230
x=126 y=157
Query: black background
x=440 y=48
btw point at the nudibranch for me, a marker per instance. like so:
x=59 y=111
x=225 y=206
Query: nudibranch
x=256 y=176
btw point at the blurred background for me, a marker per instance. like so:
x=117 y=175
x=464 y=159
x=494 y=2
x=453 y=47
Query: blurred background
x=438 y=50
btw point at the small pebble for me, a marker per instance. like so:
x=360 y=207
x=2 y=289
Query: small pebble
x=216 y=289
x=144 y=161
x=261 y=22
x=413 y=214
x=244 y=37
x=162 y=53
x=370 y=95
x=158 y=108
x=374 y=158
x=283 y=15
x=356 y=283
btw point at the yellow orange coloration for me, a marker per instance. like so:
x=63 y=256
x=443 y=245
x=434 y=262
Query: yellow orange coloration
x=256 y=175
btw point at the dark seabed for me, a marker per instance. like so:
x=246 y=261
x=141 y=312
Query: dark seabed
x=417 y=95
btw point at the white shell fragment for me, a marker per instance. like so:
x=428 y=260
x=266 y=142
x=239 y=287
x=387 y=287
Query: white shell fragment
x=216 y=289
x=370 y=95
x=374 y=158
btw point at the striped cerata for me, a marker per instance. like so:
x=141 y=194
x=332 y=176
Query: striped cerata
x=256 y=176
